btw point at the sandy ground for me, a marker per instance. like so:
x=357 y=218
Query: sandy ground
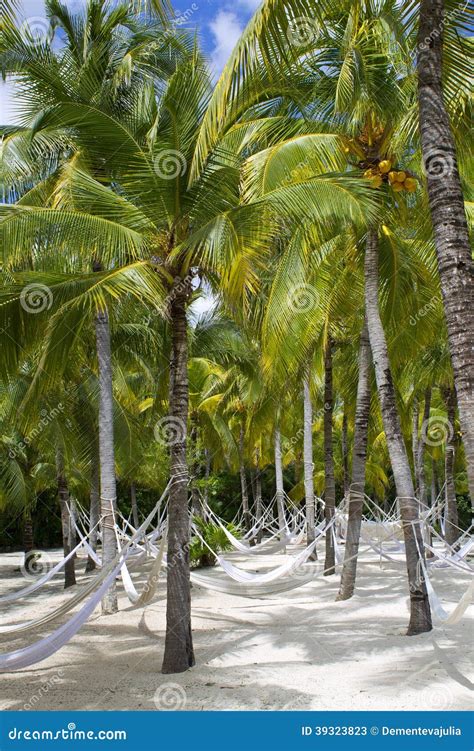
x=300 y=650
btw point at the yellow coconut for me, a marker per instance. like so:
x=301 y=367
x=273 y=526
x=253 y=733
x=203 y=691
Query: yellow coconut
x=376 y=181
x=368 y=173
x=385 y=166
x=392 y=177
x=397 y=187
x=410 y=184
x=401 y=176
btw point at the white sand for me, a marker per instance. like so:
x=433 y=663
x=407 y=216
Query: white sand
x=299 y=650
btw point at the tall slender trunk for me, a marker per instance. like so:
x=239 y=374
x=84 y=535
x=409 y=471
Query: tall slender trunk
x=420 y=457
x=243 y=482
x=420 y=613
x=308 y=466
x=415 y=441
x=28 y=540
x=356 y=497
x=207 y=470
x=133 y=502
x=198 y=508
x=258 y=495
x=280 y=492
x=455 y=265
x=452 y=521
x=345 y=451
x=94 y=513
x=329 y=482
x=63 y=495
x=421 y=471
x=179 y=653
x=108 y=491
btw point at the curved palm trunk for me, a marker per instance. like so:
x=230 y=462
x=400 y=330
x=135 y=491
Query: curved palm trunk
x=243 y=483
x=455 y=265
x=356 y=497
x=329 y=482
x=280 y=493
x=108 y=492
x=94 y=513
x=452 y=521
x=308 y=465
x=420 y=613
x=179 y=653
x=63 y=495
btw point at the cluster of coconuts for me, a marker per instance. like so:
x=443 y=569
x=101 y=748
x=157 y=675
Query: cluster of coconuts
x=383 y=172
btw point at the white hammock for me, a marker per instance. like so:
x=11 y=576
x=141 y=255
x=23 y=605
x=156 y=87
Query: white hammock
x=250 y=577
x=40 y=650
x=255 y=590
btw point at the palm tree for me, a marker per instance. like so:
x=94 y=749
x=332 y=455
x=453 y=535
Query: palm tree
x=439 y=28
x=357 y=488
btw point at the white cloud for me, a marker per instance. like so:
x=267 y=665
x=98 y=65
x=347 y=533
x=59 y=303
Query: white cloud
x=226 y=30
x=7 y=103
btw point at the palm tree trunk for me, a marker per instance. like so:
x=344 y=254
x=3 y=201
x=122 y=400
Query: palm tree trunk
x=452 y=521
x=258 y=495
x=207 y=458
x=420 y=613
x=356 y=497
x=94 y=513
x=345 y=452
x=28 y=540
x=133 y=502
x=243 y=483
x=179 y=653
x=63 y=495
x=329 y=482
x=308 y=466
x=455 y=265
x=108 y=491
x=415 y=441
x=198 y=508
x=420 y=457
x=280 y=492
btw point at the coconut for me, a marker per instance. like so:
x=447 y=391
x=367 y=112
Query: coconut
x=385 y=166
x=401 y=176
x=410 y=184
x=397 y=187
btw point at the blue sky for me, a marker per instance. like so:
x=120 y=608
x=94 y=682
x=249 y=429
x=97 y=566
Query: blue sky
x=220 y=23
